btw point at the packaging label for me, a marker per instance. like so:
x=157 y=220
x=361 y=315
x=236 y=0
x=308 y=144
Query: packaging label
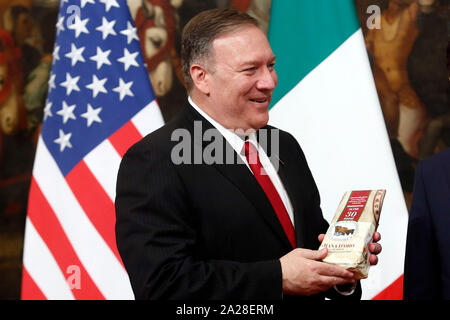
x=355 y=206
x=352 y=228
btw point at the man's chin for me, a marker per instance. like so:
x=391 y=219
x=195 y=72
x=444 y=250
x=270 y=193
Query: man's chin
x=260 y=121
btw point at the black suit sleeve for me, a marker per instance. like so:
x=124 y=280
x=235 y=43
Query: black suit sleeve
x=421 y=275
x=157 y=239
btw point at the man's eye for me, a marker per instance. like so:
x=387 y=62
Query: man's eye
x=271 y=66
x=251 y=69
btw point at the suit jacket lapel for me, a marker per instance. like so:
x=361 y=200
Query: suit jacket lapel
x=279 y=158
x=241 y=177
x=290 y=183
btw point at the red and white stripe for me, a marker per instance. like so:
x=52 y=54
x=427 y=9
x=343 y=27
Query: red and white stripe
x=71 y=220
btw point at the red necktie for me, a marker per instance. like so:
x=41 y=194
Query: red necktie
x=264 y=181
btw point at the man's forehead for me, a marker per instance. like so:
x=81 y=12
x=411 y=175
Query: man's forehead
x=239 y=32
x=245 y=42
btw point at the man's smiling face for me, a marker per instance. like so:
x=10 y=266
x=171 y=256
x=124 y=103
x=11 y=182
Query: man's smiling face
x=241 y=78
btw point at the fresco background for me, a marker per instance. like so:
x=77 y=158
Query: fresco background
x=409 y=58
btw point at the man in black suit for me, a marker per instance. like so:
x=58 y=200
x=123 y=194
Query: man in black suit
x=216 y=204
x=427 y=261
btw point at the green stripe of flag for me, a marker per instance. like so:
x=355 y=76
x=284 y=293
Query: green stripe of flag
x=303 y=33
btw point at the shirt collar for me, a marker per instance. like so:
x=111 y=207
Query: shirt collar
x=236 y=141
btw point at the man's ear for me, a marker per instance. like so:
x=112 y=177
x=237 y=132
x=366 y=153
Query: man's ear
x=199 y=76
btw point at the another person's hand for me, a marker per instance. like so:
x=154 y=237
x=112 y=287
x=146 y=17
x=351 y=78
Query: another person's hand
x=374 y=247
x=304 y=274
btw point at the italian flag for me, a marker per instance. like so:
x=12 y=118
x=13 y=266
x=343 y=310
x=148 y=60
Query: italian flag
x=326 y=98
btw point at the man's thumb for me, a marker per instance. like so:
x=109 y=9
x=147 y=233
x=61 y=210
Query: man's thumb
x=321 y=254
x=315 y=254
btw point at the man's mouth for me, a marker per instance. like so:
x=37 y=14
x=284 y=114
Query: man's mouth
x=259 y=100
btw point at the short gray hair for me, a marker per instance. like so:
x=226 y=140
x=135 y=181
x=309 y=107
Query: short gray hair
x=200 y=32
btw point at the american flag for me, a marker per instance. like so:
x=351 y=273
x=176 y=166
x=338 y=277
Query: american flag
x=100 y=101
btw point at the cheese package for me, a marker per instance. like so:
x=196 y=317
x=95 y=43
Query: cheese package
x=351 y=230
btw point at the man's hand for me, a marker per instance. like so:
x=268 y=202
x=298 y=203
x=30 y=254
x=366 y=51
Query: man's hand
x=374 y=247
x=304 y=274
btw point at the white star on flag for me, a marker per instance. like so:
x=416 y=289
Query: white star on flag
x=67 y=112
x=130 y=32
x=70 y=84
x=51 y=82
x=47 y=110
x=91 y=115
x=124 y=89
x=60 y=25
x=55 y=53
x=97 y=85
x=63 y=140
x=79 y=26
x=109 y=3
x=128 y=59
x=101 y=57
x=75 y=54
x=107 y=28
x=83 y=2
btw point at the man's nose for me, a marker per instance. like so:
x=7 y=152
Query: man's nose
x=267 y=80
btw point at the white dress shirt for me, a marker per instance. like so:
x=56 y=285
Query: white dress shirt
x=237 y=143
